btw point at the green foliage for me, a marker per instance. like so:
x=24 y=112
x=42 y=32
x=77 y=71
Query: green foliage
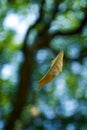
x=72 y=84
x=61 y=104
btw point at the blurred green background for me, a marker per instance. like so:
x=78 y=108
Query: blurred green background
x=32 y=32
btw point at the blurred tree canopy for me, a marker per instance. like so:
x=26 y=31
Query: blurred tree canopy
x=32 y=32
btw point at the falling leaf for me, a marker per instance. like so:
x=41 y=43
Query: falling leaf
x=55 y=69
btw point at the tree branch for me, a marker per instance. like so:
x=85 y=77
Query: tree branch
x=24 y=78
x=53 y=14
x=35 y=24
x=72 y=32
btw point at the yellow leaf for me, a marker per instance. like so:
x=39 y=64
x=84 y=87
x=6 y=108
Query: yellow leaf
x=55 y=69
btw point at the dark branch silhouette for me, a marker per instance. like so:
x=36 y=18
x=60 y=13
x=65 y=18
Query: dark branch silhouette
x=24 y=80
x=72 y=32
